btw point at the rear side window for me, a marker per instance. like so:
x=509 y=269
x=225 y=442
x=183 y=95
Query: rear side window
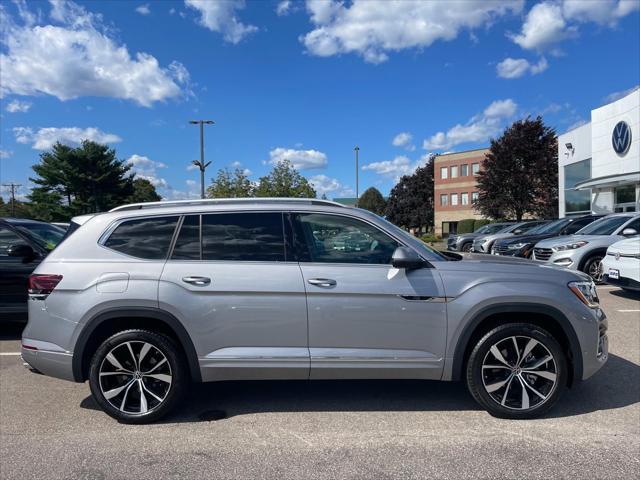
x=147 y=238
x=256 y=237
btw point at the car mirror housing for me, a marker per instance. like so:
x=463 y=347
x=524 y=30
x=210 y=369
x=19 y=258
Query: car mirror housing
x=21 y=250
x=629 y=232
x=405 y=257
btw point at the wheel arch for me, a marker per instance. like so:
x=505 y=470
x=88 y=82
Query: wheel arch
x=585 y=258
x=106 y=323
x=495 y=315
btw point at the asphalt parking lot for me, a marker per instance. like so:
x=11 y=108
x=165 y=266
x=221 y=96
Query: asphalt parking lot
x=321 y=430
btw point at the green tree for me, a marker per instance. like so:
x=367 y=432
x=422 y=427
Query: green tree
x=89 y=177
x=373 y=201
x=228 y=184
x=143 y=191
x=284 y=181
x=410 y=203
x=520 y=173
x=47 y=205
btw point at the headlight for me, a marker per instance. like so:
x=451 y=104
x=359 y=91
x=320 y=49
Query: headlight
x=586 y=292
x=516 y=246
x=569 y=246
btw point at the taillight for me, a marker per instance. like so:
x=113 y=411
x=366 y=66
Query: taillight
x=43 y=284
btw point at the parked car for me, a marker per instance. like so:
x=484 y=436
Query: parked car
x=585 y=250
x=522 y=245
x=464 y=241
x=146 y=298
x=23 y=245
x=621 y=264
x=483 y=243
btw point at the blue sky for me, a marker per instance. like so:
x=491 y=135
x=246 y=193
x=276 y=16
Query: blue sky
x=305 y=81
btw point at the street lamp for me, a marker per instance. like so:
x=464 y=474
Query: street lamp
x=357 y=149
x=200 y=163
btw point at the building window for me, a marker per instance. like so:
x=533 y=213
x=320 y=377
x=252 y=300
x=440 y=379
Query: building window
x=625 y=197
x=577 y=200
x=475 y=168
x=454 y=199
x=444 y=172
x=454 y=171
x=474 y=197
x=464 y=198
x=464 y=170
x=444 y=199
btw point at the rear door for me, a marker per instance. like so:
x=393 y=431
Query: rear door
x=14 y=274
x=230 y=281
x=366 y=318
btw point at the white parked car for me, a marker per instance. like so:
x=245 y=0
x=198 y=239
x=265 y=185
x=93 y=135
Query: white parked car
x=621 y=265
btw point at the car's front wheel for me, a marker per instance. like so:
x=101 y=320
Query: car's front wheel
x=593 y=268
x=467 y=247
x=517 y=371
x=138 y=376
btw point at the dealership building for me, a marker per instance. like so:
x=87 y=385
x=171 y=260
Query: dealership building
x=599 y=162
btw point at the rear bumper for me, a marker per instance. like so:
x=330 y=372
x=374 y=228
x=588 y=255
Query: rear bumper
x=48 y=359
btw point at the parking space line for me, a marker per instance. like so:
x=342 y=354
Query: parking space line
x=9 y=354
x=629 y=311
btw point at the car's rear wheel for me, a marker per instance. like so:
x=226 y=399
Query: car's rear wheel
x=137 y=376
x=517 y=371
x=593 y=268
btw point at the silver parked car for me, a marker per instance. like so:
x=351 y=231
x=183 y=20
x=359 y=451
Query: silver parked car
x=587 y=247
x=148 y=297
x=483 y=243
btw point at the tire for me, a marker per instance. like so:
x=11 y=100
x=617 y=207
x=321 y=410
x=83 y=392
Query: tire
x=593 y=268
x=153 y=380
x=500 y=390
x=466 y=247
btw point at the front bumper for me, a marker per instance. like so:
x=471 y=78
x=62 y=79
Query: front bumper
x=595 y=347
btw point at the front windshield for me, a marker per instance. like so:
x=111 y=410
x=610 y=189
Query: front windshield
x=431 y=253
x=552 y=227
x=604 y=226
x=492 y=228
x=44 y=234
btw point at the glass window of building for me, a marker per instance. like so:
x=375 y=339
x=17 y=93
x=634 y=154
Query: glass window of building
x=444 y=199
x=464 y=170
x=474 y=197
x=444 y=172
x=454 y=199
x=475 y=168
x=625 y=196
x=577 y=200
x=454 y=171
x=464 y=198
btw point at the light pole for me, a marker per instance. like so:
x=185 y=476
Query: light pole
x=200 y=163
x=357 y=149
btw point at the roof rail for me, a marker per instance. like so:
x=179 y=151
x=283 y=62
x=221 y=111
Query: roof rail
x=225 y=201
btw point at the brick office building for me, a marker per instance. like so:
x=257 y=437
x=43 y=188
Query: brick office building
x=455 y=188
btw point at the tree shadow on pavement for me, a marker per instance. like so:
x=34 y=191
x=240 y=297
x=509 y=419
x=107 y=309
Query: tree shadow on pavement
x=628 y=294
x=617 y=385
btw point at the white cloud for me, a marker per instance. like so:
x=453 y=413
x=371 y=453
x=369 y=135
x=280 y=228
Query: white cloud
x=478 y=129
x=325 y=185
x=517 y=67
x=404 y=140
x=79 y=58
x=5 y=153
x=44 y=138
x=550 y=22
x=221 y=17
x=15 y=106
x=146 y=168
x=396 y=168
x=300 y=159
x=612 y=97
x=283 y=8
x=576 y=124
x=143 y=9
x=373 y=28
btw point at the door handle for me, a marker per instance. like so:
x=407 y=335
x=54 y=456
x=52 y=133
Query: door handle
x=322 y=282
x=200 y=281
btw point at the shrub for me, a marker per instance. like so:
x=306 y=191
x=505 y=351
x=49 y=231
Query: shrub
x=429 y=238
x=466 y=225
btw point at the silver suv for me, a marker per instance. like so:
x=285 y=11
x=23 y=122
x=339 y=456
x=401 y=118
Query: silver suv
x=149 y=297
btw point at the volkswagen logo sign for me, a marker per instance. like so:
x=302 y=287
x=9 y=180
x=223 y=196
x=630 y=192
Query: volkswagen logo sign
x=617 y=255
x=621 y=138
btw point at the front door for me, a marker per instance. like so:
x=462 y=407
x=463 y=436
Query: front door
x=243 y=303
x=366 y=318
x=14 y=275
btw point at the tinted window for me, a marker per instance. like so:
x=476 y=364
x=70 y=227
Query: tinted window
x=188 y=241
x=337 y=239
x=243 y=236
x=552 y=227
x=578 y=224
x=604 y=226
x=44 y=234
x=7 y=239
x=143 y=238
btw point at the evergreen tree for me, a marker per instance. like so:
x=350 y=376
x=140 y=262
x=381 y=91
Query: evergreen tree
x=373 y=201
x=143 y=191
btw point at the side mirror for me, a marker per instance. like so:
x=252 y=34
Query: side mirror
x=404 y=257
x=629 y=232
x=21 y=250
